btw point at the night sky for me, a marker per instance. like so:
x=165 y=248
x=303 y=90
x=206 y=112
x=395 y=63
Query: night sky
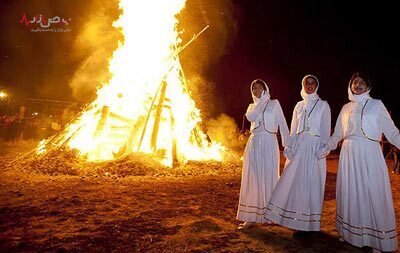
x=278 y=41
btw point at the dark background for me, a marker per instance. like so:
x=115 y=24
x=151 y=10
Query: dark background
x=278 y=41
x=281 y=41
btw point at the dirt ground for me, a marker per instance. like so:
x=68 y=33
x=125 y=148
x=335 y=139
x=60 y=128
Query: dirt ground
x=56 y=205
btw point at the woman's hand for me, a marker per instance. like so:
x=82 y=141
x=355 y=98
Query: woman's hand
x=322 y=152
x=288 y=153
x=263 y=96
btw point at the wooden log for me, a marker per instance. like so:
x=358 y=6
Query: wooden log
x=105 y=112
x=148 y=117
x=157 y=117
x=174 y=151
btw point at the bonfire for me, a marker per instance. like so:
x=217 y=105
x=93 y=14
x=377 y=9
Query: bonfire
x=146 y=107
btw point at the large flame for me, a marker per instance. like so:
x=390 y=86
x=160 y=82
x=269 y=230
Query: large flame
x=146 y=105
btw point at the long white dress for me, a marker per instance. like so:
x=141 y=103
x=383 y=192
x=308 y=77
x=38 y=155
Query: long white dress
x=364 y=203
x=261 y=160
x=296 y=201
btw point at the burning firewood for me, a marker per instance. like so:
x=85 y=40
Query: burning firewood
x=146 y=107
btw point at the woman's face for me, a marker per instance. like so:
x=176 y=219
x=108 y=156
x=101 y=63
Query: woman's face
x=310 y=85
x=257 y=89
x=358 y=86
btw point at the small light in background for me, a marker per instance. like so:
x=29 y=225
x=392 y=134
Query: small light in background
x=3 y=94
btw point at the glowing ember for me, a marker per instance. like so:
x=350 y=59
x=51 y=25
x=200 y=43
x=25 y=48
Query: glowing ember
x=146 y=106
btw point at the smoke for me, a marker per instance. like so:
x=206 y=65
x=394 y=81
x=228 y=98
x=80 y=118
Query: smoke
x=95 y=43
x=54 y=65
x=51 y=64
x=223 y=129
x=199 y=58
x=202 y=90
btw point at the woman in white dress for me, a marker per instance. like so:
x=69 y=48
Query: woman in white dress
x=364 y=203
x=296 y=201
x=261 y=156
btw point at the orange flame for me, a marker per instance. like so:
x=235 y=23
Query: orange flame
x=146 y=106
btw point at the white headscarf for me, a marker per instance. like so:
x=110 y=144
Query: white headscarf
x=309 y=97
x=360 y=100
x=357 y=98
x=256 y=99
